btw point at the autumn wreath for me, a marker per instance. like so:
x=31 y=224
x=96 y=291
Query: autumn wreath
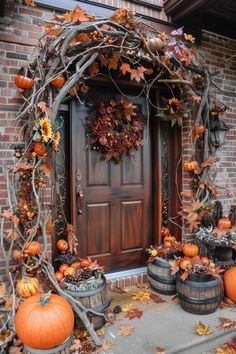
x=117 y=130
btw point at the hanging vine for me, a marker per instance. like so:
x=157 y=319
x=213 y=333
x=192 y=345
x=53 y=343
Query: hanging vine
x=75 y=48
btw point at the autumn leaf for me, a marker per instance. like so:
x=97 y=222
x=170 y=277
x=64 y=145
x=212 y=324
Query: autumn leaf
x=3 y=290
x=173 y=267
x=141 y=296
x=7 y=214
x=143 y=285
x=138 y=74
x=232 y=343
x=226 y=323
x=85 y=88
x=125 y=68
x=22 y=166
x=125 y=330
x=52 y=30
x=159 y=350
x=77 y=15
x=106 y=345
x=184 y=276
x=76 y=345
x=208 y=162
x=156 y=298
x=196 y=98
x=12 y=234
x=202 y=329
x=189 y=37
x=113 y=61
x=46 y=168
x=94 y=68
x=104 y=60
x=9 y=303
x=175 y=299
x=101 y=332
x=133 y=313
x=42 y=106
x=127 y=307
x=29 y=3
x=225 y=349
x=219 y=233
x=49 y=225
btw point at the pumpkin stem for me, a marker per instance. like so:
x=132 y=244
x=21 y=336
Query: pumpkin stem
x=44 y=299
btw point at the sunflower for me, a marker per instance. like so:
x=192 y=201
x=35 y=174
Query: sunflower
x=45 y=129
x=55 y=140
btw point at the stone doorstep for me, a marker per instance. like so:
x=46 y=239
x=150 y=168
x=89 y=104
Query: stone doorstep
x=126 y=278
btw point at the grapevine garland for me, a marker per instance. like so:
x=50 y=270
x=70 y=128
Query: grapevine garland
x=117 y=130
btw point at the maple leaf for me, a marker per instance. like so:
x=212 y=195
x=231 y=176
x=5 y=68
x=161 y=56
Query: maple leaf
x=226 y=323
x=138 y=74
x=3 y=290
x=225 y=349
x=232 y=343
x=76 y=345
x=184 y=276
x=104 y=60
x=125 y=68
x=196 y=98
x=12 y=234
x=9 y=302
x=159 y=350
x=7 y=214
x=133 y=313
x=174 y=267
x=77 y=15
x=113 y=61
x=49 y=225
x=175 y=299
x=106 y=345
x=143 y=285
x=208 y=162
x=202 y=329
x=129 y=109
x=127 y=307
x=52 y=30
x=29 y=3
x=141 y=296
x=189 y=37
x=22 y=166
x=46 y=168
x=156 y=298
x=125 y=330
x=101 y=332
x=42 y=106
x=218 y=232
x=94 y=68
x=74 y=89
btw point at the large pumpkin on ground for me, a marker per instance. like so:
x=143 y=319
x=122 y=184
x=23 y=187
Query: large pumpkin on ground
x=44 y=321
x=230 y=283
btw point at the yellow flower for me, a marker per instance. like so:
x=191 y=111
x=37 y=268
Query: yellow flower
x=56 y=140
x=45 y=129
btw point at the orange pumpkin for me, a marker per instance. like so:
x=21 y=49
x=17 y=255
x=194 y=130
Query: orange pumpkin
x=63 y=267
x=167 y=244
x=32 y=248
x=58 y=81
x=205 y=260
x=185 y=264
x=23 y=82
x=39 y=149
x=44 y=321
x=230 y=283
x=168 y=239
x=190 y=165
x=84 y=262
x=154 y=253
x=70 y=271
x=59 y=276
x=75 y=265
x=190 y=250
x=62 y=245
x=27 y=287
x=224 y=224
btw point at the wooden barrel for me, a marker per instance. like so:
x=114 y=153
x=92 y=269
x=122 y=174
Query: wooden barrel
x=63 y=348
x=97 y=300
x=200 y=294
x=160 y=278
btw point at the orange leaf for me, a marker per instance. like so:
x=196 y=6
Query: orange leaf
x=189 y=37
x=156 y=298
x=94 y=68
x=113 y=61
x=160 y=350
x=226 y=323
x=46 y=168
x=77 y=15
x=29 y=3
x=42 y=106
x=125 y=68
x=184 y=276
x=208 y=162
x=51 y=30
x=84 y=88
x=196 y=98
x=138 y=74
x=125 y=330
x=133 y=313
x=103 y=59
x=7 y=214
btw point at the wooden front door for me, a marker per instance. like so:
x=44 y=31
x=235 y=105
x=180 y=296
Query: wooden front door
x=113 y=214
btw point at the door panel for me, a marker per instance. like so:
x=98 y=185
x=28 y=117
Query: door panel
x=115 y=226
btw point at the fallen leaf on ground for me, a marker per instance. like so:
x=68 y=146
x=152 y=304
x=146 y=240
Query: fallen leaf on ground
x=15 y=350
x=101 y=332
x=156 y=298
x=224 y=349
x=226 y=323
x=232 y=343
x=160 y=350
x=175 y=299
x=106 y=345
x=143 y=286
x=126 y=307
x=120 y=317
x=118 y=290
x=133 y=313
x=202 y=329
x=76 y=345
x=81 y=334
x=125 y=330
x=141 y=296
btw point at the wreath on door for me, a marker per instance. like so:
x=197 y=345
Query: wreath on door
x=117 y=129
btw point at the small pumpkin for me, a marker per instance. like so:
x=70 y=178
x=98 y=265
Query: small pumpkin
x=44 y=321
x=224 y=223
x=23 y=82
x=32 y=248
x=190 y=250
x=185 y=264
x=167 y=244
x=58 y=81
x=70 y=271
x=62 y=245
x=230 y=283
x=39 y=149
x=63 y=267
x=190 y=165
x=27 y=287
x=154 y=44
x=85 y=262
x=205 y=260
x=59 y=276
x=75 y=265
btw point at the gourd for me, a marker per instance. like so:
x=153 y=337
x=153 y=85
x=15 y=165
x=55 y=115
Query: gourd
x=155 y=44
x=32 y=248
x=190 y=250
x=63 y=267
x=190 y=165
x=44 y=321
x=27 y=287
x=58 y=81
x=62 y=245
x=59 y=276
x=224 y=223
x=23 y=82
x=230 y=283
x=39 y=149
x=84 y=262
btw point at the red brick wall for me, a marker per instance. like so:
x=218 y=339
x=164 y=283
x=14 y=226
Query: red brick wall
x=19 y=31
